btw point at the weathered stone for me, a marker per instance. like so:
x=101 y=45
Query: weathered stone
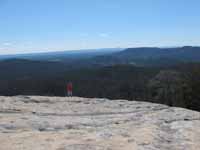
x=55 y=123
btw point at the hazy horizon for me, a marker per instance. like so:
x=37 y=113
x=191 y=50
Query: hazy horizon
x=91 y=49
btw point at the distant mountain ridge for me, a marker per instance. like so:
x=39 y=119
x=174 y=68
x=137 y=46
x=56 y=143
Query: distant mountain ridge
x=143 y=56
x=62 y=56
x=182 y=53
x=150 y=56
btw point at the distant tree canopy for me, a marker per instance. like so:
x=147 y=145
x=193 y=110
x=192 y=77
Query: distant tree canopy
x=194 y=82
x=170 y=87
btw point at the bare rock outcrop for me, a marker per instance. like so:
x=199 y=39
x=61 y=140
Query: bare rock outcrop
x=55 y=123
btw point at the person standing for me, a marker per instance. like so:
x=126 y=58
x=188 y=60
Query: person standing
x=69 y=89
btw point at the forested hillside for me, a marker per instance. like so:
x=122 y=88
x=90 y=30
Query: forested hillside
x=161 y=85
x=114 y=76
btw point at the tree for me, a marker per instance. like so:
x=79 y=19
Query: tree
x=169 y=87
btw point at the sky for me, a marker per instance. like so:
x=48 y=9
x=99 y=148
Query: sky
x=28 y=26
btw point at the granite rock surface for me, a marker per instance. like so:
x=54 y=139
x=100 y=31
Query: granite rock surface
x=74 y=123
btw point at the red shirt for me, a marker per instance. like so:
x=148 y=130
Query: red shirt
x=69 y=87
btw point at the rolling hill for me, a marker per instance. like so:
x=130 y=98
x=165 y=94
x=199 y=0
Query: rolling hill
x=150 y=56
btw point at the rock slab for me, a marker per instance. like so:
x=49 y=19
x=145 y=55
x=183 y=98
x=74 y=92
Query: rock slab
x=55 y=123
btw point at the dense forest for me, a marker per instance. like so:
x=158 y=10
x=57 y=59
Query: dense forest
x=175 y=84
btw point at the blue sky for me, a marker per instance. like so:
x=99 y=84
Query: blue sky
x=50 y=25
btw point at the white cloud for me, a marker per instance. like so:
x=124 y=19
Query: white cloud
x=7 y=44
x=104 y=35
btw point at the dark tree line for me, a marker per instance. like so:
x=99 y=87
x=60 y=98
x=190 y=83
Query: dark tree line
x=174 y=86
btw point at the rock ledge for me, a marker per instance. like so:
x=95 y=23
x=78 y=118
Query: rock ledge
x=55 y=123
